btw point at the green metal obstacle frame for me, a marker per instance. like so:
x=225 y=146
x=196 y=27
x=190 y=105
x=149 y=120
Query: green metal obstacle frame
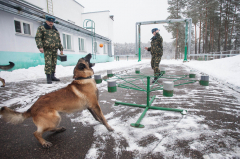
x=188 y=27
x=92 y=28
x=127 y=83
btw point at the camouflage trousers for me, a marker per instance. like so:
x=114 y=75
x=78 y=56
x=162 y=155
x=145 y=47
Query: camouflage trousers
x=50 y=56
x=155 y=61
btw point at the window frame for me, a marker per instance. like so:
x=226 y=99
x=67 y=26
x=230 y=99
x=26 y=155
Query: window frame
x=22 y=28
x=79 y=44
x=66 y=41
x=105 y=48
x=96 y=47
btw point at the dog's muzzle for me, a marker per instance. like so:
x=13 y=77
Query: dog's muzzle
x=92 y=64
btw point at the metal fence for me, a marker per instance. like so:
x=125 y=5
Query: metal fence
x=214 y=55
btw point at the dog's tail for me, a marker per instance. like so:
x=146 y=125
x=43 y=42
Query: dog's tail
x=7 y=67
x=14 y=117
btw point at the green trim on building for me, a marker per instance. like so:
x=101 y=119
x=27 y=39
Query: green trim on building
x=30 y=59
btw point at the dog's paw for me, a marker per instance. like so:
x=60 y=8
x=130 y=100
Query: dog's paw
x=110 y=129
x=58 y=130
x=47 y=145
x=62 y=129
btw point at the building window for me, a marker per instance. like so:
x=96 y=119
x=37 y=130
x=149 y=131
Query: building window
x=105 y=48
x=67 y=41
x=81 y=44
x=95 y=47
x=22 y=27
x=18 y=26
x=26 y=28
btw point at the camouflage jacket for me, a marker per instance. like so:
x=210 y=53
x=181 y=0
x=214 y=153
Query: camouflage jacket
x=47 y=37
x=156 y=45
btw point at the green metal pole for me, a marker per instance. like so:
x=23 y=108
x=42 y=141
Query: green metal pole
x=139 y=43
x=130 y=104
x=184 y=83
x=148 y=90
x=186 y=39
x=150 y=107
x=131 y=83
x=167 y=109
x=150 y=103
x=137 y=124
x=128 y=87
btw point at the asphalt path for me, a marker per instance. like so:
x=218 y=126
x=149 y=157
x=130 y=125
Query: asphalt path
x=18 y=141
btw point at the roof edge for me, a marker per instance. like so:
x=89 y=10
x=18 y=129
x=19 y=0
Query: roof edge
x=78 y=3
x=96 y=12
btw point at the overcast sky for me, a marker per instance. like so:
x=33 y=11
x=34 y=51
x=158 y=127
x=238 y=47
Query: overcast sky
x=128 y=12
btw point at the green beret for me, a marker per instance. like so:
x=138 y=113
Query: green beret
x=50 y=18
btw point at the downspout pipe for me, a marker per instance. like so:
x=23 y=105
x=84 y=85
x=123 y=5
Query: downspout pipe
x=136 y=38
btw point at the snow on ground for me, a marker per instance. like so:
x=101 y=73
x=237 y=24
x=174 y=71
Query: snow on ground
x=37 y=72
x=226 y=70
x=165 y=130
x=167 y=133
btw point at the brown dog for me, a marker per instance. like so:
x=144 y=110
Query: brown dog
x=6 y=67
x=81 y=94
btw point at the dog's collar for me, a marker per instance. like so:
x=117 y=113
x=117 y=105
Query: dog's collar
x=80 y=78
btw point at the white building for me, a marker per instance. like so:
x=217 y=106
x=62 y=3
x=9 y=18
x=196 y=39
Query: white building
x=80 y=32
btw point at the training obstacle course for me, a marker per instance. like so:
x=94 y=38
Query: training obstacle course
x=129 y=82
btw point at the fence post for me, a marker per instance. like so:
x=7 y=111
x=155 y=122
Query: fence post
x=221 y=55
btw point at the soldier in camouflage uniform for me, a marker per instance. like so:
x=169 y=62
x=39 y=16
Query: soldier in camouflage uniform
x=156 y=50
x=48 y=42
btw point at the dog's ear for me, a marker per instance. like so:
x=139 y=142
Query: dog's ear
x=81 y=66
x=88 y=57
x=91 y=64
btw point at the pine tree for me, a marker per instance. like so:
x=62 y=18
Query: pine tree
x=218 y=22
x=175 y=9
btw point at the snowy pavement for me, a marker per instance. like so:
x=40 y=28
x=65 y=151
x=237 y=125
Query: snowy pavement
x=209 y=130
x=226 y=70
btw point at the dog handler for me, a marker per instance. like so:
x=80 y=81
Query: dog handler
x=48 y=42
x=156 y=50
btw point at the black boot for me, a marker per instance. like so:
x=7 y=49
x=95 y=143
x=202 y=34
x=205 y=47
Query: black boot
x=154 y=80
x=49 y=79
x=54 y=78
